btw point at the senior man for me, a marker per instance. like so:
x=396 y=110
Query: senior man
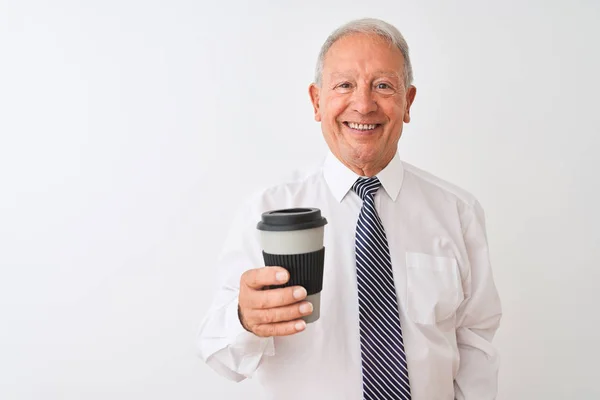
x=409 y=306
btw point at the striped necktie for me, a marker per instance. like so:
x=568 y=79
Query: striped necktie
x=385 y=375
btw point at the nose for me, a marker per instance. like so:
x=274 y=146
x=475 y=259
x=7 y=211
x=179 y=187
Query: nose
x=363 y=101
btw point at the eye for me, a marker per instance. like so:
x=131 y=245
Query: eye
x=385 y=88
x=343 y=87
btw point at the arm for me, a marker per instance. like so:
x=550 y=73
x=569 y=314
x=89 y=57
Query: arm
x=478 y=316
x=237 y=332
x=222 y=341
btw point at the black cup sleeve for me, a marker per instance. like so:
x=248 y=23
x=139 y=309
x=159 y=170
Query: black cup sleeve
x=305 y=269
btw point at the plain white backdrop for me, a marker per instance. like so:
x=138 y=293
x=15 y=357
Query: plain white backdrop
x=130 y=129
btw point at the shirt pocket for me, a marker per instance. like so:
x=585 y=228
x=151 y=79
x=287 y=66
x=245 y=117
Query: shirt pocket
x=434 y=289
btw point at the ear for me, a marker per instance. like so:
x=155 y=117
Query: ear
x=410 y=97
x=314 y=92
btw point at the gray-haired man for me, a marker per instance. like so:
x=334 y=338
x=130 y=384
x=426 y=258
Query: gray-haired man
x=409 y=307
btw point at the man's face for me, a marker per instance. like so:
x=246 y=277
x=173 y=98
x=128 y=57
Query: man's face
x=362 y=102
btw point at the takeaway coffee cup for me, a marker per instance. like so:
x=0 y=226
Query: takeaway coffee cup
x=293 y=239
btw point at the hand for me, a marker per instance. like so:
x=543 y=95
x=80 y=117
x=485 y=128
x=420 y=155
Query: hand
x=273 y=312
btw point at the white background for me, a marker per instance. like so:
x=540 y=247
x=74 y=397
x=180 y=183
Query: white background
x=130 y=129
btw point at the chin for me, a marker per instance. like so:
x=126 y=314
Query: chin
x=364 y=154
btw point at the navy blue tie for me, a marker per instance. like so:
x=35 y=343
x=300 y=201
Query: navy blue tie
x=385 y=375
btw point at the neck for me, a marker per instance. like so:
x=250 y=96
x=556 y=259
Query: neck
x=368 y=169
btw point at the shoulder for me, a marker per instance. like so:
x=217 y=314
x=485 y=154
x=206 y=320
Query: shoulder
x=288 y=190
x=434 y=189
x=433 y=185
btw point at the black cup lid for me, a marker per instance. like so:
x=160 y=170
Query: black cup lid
x=291 y=219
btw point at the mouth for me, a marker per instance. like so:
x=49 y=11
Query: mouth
x=361 y=128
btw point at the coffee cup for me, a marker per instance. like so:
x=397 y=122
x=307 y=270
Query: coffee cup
x=293 y=239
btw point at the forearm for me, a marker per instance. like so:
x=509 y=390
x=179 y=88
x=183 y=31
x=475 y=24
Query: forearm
x=227 y=347
x=478 y=317
x=477 y=377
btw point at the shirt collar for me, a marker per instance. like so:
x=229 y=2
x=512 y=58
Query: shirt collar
x=340 y=178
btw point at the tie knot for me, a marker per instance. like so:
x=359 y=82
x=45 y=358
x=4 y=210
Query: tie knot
x=366 y=186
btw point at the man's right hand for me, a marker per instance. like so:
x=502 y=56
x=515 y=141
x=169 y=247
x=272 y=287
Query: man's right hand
x=273 y=312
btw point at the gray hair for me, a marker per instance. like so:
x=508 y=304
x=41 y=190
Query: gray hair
x=367 y=26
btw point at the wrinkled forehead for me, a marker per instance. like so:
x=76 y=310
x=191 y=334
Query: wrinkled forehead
x=363 y=54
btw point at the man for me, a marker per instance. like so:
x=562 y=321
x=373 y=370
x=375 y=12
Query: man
x=408 y=306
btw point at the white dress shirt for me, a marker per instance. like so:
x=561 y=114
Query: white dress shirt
x=449 y=306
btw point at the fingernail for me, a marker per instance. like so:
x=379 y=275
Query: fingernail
x=299 y=293
x=281 y=276
x=300 y=325
x=306 y=308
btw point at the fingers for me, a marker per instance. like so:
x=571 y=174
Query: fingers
x=261 y=277
x=273 y=312
x=280 y=328
x=279 y=321
x=276 y=297
x=278 y=314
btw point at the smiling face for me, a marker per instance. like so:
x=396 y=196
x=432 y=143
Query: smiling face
x=362 y=102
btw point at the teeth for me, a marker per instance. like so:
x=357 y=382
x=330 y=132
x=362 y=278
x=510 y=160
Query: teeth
x=361 y=127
